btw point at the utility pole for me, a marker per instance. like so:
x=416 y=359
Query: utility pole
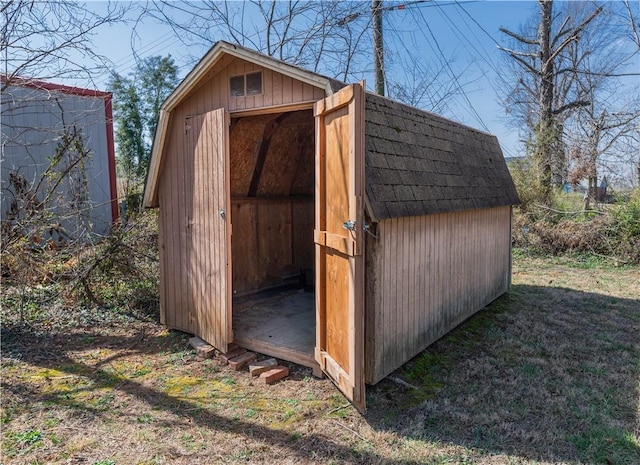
x=378 y=51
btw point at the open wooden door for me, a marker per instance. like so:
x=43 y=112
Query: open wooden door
x=339 y=240
x=209 y=227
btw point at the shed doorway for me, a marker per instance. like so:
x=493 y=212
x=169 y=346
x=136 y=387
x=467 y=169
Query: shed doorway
x=272 y=185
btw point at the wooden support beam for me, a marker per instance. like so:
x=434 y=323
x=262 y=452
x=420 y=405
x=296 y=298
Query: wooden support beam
x=269 y=131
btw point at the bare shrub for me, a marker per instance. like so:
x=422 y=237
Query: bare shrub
x=615 y=232
x=84 y=284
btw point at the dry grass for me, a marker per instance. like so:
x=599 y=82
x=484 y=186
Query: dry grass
x=548 y=374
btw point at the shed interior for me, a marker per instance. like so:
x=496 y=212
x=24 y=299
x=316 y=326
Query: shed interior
x=272 y=184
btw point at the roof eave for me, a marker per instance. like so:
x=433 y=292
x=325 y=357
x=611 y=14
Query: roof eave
x=150 y=199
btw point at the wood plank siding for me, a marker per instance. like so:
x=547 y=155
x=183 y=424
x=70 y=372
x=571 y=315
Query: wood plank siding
x=272 y=240
x=180 y=179
x=277 y=89
x=426 y=275
x=193 y=236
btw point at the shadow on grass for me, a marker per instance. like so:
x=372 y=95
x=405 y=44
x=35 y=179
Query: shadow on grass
x=316 y=447
x=548 y=374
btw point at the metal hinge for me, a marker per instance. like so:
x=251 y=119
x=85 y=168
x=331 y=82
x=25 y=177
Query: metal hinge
x=349 y=225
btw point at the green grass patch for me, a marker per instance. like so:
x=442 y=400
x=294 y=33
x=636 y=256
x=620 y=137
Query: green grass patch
x=604 y=445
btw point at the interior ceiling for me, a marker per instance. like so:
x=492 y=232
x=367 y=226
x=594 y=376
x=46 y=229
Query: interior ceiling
x=272 y=155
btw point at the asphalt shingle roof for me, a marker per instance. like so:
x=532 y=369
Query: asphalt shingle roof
x=418 y=163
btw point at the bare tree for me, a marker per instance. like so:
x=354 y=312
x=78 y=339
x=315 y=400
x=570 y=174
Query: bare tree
x=48 y=173
x=43 y=41
x=633 y=19
x=544 y=89
x=426 y=86
x=52 y=40
x=601 y=133
x=328 y=37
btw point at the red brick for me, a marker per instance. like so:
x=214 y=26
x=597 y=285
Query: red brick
x=257 y=368
x=203 y=349
x=241 y=360
x=232 y=354
x=274 y=374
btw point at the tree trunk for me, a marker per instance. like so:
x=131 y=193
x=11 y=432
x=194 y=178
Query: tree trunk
x=546 y=136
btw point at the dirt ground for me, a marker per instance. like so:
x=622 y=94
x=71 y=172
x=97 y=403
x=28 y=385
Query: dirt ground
x=547 y=374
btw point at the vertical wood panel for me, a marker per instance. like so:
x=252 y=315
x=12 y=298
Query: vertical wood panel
x=186 y=193
x=244 y=247
x=174 y=172
x=267 y=84
x=287 y=89
x=302 y=217
x=307 y=92
x=272 y=238
x=436 y=271
x=192 y=190
x=394 y=320
x=277 y=90
x=184 y=316
x=340 y=262
x=296 y=91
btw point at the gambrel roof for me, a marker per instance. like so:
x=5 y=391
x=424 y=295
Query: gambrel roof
x=416 y=162
x=215 y=57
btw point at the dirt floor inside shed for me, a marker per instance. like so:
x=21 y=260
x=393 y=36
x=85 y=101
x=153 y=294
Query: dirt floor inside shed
x=549 y=374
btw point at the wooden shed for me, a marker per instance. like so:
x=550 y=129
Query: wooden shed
x=309 y=220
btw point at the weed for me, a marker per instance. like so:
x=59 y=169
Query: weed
x=598 y=444
x=180 y=357
x=140 y=372
x=52 y=422
x=211 y=366
x=546 y=375
x=529 y=370
x=243 y=454
x=29 y=437
x=288 y=414
x=144 y=418
x=228 y=381
x=612 y=236
x=21 y=443
x=104 y=402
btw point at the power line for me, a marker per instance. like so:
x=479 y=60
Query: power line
x=452 y=74
x=129 y=62
x=480 y=53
